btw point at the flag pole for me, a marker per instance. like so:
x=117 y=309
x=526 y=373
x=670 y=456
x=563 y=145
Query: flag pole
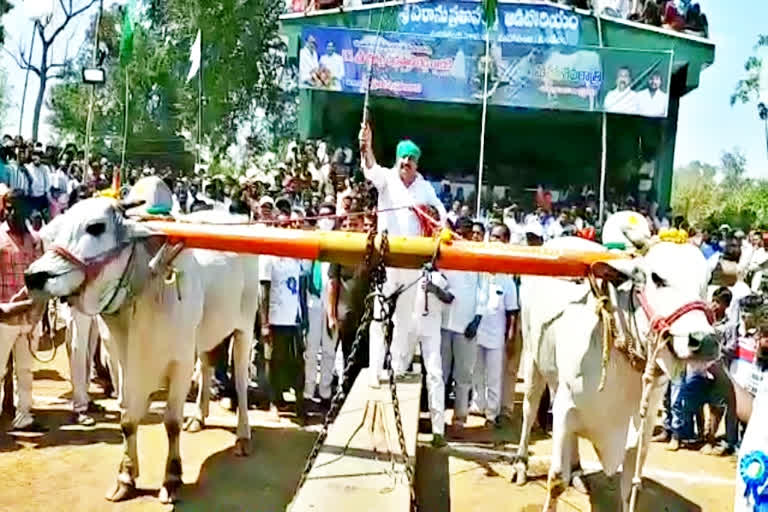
x=125 y=126
x=92 y=98
x=603 y=135
x=200 y=102
x=481 y=164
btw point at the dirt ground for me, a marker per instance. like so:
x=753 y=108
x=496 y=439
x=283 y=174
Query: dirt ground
x=71 y=467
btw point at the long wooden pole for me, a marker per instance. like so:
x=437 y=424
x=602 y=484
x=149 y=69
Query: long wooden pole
x=406 y=252
x=125 y=127
x=26 y=78
x=92 y=96
x=481 y=163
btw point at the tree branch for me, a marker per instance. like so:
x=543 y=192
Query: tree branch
x=69 y=14
x=23 y=64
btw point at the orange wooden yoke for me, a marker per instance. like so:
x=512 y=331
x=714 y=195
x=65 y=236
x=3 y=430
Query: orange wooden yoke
x=407 y=252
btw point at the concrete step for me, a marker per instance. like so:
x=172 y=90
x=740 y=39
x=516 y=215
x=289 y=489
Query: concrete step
x=355 y=469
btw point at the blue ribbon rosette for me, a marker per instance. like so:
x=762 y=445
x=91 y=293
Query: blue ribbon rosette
x=754 y=472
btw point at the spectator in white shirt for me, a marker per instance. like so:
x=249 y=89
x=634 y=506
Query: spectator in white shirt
x=59 y=191
x=653 y=101
x=401 y=192
x=280 y=312
x=433 y=293
x=496 y=324
x=622 y=99
x=308 y=61
x=334 y=63
x=40 y=183
x=457 y=347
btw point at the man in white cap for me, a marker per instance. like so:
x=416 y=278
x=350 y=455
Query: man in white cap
x=534 y=232
x=402 y=193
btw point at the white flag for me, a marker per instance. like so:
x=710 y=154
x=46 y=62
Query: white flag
x=194 y=57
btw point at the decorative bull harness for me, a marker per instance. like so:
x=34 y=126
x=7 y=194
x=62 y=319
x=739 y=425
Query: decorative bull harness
x=627 y=344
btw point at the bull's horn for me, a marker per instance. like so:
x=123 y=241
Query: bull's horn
x=128 y=205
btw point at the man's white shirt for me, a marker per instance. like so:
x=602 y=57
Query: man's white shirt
x=41 y=182
x=621 y=101
x=394 y=195
x=308 y=62
x=283 y=274
x=428 y=308
x=464 y=287
x=498 y=295
x=652 y=105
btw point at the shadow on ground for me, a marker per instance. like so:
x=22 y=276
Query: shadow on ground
x=265 y=481
x=604 y=496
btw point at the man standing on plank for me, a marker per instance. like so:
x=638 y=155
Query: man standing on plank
x=403 y=194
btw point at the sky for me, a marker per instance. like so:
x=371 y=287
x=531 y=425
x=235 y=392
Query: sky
x=707 y=124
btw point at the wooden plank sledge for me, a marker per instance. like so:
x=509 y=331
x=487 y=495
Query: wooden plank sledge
x=355 y=469
x=406 y=252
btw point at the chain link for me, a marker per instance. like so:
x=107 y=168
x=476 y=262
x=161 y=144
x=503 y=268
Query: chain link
x=378 y=276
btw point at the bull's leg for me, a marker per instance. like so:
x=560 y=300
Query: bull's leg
x=179 y=379
x=535 y=387
x=577 y=473
x=630 y=455
x=563 y=440
x=136 y=407
x=243 y=340
x=197 y=421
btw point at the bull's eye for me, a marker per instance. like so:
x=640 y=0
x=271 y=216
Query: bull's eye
x=97 y=229
x=657 y=280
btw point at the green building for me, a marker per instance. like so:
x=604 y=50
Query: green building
x=524 y=146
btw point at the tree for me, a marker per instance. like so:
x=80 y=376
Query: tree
x=748 y=89
x=245 y=81
x=48 y=68
x=734 y=166
x=154 y=125
x=242 y=57
x=5 y=6
x=695 y=193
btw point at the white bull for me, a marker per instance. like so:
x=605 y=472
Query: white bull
x=100 y=262
x=563 y=349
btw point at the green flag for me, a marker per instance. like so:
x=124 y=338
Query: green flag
x=126 y=40
x=489 y=13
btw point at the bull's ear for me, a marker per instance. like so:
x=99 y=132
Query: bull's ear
x=136 y=230
x=619 y=271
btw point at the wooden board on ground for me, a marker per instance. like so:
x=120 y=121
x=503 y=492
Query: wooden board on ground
x=356 y=469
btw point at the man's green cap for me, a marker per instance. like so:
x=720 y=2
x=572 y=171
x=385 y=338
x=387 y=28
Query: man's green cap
x=407 y=148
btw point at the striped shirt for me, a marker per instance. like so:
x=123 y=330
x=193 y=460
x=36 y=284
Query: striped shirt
x=15 y=256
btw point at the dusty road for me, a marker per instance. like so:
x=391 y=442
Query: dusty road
x=70 y=468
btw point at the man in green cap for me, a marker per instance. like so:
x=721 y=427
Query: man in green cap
x=404 y=196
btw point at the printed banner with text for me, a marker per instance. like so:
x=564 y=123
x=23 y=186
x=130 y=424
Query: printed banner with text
x=539 y=76
x=515 y=23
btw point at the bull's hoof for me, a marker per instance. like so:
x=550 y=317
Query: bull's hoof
x=578 y=483
x=193 y=425
x=169 y=493
x=521 y=474
x=242 y=447
x=122 y=491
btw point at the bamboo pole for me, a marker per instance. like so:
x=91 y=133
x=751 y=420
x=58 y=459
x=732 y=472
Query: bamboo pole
x=406 y=252
x=481 y=164
x=125 y=127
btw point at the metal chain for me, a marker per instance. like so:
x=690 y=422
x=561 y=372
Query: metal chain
x=378 y=276
x=388 y=305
